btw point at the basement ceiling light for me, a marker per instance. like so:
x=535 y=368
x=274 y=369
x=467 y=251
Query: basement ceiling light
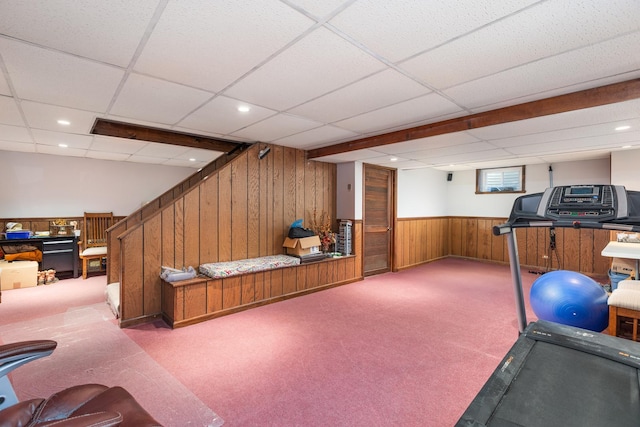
x=244 y=109
x=192 y=159
x=62 y=145
x=625 y=127
x=64 y=122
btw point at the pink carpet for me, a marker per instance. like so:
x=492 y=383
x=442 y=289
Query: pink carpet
x=91 y=349
x=409 y=348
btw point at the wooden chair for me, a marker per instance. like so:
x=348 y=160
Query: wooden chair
x=94 y=238
x=624 y=310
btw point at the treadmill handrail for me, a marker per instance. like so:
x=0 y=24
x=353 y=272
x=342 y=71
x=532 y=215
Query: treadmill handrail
x=506 y=228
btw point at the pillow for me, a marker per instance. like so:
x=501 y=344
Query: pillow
x=25 y=256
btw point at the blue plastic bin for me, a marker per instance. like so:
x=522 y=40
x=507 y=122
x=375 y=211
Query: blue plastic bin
x=22 y=234
x=614 y=278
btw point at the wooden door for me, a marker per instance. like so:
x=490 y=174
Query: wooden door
x=378 y=218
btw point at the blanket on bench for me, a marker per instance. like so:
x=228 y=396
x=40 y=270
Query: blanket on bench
x=219 y=270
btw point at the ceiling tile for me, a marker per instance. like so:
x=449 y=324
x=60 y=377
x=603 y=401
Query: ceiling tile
x=521 y=40
x=611 y=113
x=116 y=145
x=221 y=116
x=227 y=37
x=314 y=137
x=407 y=113
x=61 y=79
x=277 y=127
x=14 y=133
x=503 y=163
x=165 y=151
x=185 y=163
x=44 y=116
x=320 y=9
x=105 y=31
x=4 y=86
x=432 y=142
x=107 y=155
x=401 y=28
x=577 y=145
x=576 y=156
x=354 y=156
x=573 y=133
x=199 y=155
x=380 y=90
x=610 y=58
x=401 y=164
x=469 y=157
x=17 y=146
x=58 y=151
x=45 y=137
x=159 y=101
x=432 y=153
x=146 y=159
x=319 y=63
x=9 y=113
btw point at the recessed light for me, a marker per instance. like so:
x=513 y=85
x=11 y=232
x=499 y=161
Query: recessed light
x=625 y=127
x=64 y=122
x=394 y=159
x=244 y=109
x=626 y=146
x=192 y=159
x=62 y=145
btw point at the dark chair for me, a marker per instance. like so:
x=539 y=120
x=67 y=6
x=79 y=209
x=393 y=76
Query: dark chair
x=82 y=405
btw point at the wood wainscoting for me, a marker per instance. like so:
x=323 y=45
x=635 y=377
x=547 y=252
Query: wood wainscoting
x=199 y=299
x=421 y=240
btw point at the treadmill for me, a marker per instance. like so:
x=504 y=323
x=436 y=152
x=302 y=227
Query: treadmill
x=559 y=375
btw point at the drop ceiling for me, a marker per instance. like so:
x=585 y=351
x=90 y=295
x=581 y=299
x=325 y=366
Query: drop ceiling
x=316 y=73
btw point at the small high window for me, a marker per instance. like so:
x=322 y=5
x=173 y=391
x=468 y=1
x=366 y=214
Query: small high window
x=500 y=180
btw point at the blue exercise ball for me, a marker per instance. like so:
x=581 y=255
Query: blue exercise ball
x=570 y=298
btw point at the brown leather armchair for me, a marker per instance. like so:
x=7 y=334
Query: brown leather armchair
x=82 y=405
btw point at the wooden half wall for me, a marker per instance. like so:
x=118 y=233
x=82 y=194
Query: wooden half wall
x=420 y=240
x=242 y=210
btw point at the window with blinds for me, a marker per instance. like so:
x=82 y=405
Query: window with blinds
x=500 y=180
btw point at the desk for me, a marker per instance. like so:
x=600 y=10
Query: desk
x=59 y=253
x=624 y=250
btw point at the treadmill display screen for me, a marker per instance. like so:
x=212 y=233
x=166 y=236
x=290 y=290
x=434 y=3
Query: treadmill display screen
x=582 y=191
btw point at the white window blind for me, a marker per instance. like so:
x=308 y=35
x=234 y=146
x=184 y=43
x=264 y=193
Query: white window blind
x=500 y=180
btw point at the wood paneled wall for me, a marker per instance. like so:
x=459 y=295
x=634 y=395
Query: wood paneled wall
x=243 y=210
x=418 y=240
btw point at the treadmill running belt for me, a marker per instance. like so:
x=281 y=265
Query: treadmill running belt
x=559 y=375
x=561 y=386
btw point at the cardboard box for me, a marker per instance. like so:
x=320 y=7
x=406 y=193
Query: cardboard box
x=301 y=247
x=623 y=266
x=18 y=274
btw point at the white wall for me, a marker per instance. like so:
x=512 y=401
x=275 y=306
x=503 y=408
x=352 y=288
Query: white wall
x=624 y=169
x=462 y=200
x=422 y=193
x=41 y=185
x=426 y=192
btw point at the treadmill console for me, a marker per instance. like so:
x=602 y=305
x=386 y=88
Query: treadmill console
x=596 y=202
x=578 y=205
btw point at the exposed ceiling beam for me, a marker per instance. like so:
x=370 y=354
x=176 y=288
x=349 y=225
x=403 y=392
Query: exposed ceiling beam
x=609 y=94
x=145 y=133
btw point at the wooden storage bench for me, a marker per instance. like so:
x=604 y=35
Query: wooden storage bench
x=195 y=300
